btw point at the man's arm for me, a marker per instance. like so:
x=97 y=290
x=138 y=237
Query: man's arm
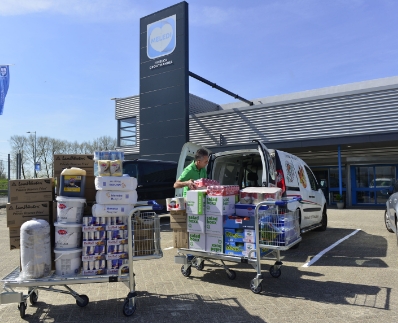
x=181 y=184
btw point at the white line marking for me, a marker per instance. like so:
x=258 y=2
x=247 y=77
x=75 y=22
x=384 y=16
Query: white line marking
x=168 y=248
x=319 y=255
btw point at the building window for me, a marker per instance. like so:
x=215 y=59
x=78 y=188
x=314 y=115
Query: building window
x=128 y=132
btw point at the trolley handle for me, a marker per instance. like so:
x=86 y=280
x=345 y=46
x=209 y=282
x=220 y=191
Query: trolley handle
x=281 y=202
x=155 y=206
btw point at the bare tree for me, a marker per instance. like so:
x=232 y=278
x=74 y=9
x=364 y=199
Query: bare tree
x=2 y=170
x=106 y=143
x=18 y=144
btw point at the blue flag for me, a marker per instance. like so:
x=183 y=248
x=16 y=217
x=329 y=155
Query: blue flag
x=4 y=83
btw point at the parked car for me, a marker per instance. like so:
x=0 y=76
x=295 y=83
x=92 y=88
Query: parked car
x=155 y=178
x=266 y=167
x=383 y=185
x=391 y=212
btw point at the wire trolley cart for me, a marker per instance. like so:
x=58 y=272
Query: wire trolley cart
x=276 y=229
x=143 y=243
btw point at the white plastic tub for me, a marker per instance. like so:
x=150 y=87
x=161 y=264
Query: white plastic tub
x=70 y=209
x=68 y=235
x=68 y=261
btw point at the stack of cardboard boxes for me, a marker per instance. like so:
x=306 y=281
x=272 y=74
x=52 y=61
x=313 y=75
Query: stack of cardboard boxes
x=29 y=198
x=214 y=222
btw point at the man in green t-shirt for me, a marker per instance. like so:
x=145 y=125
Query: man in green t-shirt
x=194 y=171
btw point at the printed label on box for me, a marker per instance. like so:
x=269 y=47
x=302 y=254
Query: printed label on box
x=197 y=241
x=214 y=224
x=214 y=243
x=196 y=223
x=195 y=201
x=220 y=205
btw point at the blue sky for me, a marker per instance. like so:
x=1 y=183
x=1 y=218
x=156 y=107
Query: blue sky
x=72 y=56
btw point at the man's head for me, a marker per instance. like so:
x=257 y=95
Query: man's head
x=201 y=158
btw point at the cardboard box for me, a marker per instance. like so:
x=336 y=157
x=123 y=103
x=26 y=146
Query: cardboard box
x=248 y=209
x=83 y=161
x=14 y=234
x=195 y=201
x=180 y=238
x=31 y=190
x=197 y=241
x=214 y=224
x=243 y=249
x=240 y=235
x=18 y=213
x=14 y=243
x=215 y=243
x=239 y=222
x=220 y=205
x=196 y=223
x=178 y=219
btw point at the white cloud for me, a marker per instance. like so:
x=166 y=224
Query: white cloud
x=93 y=10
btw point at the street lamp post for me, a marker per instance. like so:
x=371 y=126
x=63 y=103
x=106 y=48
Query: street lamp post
x=34 y=154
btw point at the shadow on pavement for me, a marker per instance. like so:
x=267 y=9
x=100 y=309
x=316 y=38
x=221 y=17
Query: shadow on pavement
x=150 y=308
x=294 y=283
x=360 y=250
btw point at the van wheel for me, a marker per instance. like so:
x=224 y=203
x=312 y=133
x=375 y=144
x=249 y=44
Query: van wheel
x=324 y=221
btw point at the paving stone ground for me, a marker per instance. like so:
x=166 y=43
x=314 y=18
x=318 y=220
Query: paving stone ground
x=354 y=282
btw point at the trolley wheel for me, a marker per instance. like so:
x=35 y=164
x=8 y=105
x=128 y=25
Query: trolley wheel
x=275 y=272
x=254 y=289
x=22 y=308
x=200 y=266
x=85 y=301
x=33 y=298
x=231 y=274
x=186 y=273
x=127 y=309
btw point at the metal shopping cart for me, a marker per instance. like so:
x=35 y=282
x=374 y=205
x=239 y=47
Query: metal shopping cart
x=143 y=243
x=276 y=228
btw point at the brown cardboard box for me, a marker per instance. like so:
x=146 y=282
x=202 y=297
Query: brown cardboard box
x=18 y=213
x=178 y=219
x=31 y=190
x=14 y=234
x=89 y=194
x=14 y=243
x=69 y=160
x=180 y=238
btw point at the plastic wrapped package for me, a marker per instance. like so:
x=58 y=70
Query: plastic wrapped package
x=116 y=197
x=104 y=168
x=204 y=182
x=112 y=183
x=222 y=190
x=116 y=167
x=112 y=210
x=35 y=249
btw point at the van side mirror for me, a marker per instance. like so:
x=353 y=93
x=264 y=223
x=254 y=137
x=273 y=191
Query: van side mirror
x=323 y=183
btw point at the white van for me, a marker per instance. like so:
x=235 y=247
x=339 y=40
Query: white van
x=269 y=168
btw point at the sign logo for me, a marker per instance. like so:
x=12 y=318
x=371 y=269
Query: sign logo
x=161 y=37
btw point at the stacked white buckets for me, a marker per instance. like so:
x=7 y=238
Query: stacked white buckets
x=68 y=234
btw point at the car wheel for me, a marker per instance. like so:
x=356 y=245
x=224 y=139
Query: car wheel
x=387 y=222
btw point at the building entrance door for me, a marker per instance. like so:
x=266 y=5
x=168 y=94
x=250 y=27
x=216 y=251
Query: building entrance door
x=372 y=184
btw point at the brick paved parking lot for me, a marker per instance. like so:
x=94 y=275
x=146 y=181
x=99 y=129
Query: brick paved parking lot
x=353 y=282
